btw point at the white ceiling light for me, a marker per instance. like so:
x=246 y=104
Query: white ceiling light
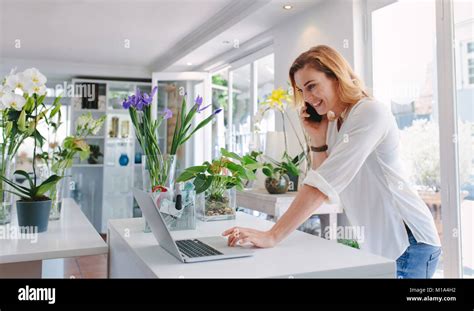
x=189 y=63
x=287 y=7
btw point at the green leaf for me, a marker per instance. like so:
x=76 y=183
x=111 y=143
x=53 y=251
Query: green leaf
x=48 y=184
x=231 y=155
x=246 y=159
x=39 y=138
x=29 y=104
x=27 y=176
x=291 y=168
x=17 y=194
x=22 y=121
x=197 y=169
x=239 y=187
x=236 y=168
x=57 y=107
x=17 y=187
x=267 y=171
x=40 y=99
x=253 y=166
x=8 y=128
x=250 y=175
x=202 y=183
x=185 y=176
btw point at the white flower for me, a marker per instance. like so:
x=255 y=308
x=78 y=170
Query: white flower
x=96 y=128
x=33 y=75
x=32 y=88
x=4 y=89
x=15 y=81
x=14 y=101
x=83 y=120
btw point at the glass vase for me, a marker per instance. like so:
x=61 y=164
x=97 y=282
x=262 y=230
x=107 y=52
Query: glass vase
x=221 y=207
x=7 y=167
x=158 y=172
x=56 y=194
x=179 y=208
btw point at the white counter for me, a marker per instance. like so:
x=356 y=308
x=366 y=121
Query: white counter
x=70 y=236
x=134 y=253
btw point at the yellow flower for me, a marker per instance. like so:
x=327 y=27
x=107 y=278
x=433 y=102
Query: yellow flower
x=277 y=98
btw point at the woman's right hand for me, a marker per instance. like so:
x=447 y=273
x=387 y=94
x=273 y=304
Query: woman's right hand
x=316 y=130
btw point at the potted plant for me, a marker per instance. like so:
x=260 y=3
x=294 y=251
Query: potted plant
x=95 y=154
x=277 y=181
x=159 y=167
x=294 y=179
x=21 y=111
x=217 y=182
x=34 y=206
x=278 y=101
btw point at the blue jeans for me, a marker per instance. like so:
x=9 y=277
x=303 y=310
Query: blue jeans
x=419 y=261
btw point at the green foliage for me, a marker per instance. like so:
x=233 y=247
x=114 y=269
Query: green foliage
x=350 y=243
x=288 y=165
x=229 y=171
x=33 y=192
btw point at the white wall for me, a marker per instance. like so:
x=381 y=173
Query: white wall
x=329 y=23
x=60 y=70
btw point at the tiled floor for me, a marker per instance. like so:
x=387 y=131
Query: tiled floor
x=87 y=267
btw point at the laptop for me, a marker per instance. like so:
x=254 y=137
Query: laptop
x=189 y=250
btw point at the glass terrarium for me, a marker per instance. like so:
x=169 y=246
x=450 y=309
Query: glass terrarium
x=220 y=205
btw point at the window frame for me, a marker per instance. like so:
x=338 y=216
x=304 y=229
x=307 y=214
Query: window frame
x=447 y=120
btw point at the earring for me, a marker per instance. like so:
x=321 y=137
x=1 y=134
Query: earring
x=331 y=115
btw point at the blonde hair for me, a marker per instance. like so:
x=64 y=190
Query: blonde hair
x=325 y=59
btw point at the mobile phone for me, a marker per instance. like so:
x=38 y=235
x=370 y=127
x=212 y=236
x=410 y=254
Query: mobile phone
x=313 y=114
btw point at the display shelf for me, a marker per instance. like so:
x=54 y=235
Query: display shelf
x=87 y=165
x=110 y=196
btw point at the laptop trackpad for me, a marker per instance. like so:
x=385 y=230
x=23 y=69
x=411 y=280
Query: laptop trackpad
x=220 y=243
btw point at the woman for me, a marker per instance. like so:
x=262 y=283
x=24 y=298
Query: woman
x=355 y=162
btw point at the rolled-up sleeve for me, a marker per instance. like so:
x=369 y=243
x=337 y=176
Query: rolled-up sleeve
x=363 y=130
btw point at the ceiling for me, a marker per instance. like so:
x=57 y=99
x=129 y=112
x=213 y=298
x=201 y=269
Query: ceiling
x=167 y=35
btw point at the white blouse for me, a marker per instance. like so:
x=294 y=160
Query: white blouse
x=364 y=173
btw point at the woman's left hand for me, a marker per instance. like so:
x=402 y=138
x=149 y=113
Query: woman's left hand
x=263 y=239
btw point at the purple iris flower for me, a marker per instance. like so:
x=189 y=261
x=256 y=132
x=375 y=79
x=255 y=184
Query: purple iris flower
x=149 y=98
x=198 y=102
x=130 y=101
x=167 y=114
x=139 y=100
x=126 y=104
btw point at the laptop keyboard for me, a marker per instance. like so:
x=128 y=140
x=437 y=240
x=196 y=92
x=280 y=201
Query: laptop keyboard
x=195 y=248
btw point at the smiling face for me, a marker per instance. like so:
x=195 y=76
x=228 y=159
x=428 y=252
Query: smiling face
x=317 y=89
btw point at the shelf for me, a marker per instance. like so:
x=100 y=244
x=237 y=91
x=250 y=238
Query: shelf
x=118 y=111
x=89 y=110
x=94 y=137
x=87 y=165
x=120 y=139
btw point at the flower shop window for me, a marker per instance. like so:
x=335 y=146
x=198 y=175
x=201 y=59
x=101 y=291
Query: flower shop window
x=405 y=78
x=265 y=86
x=463 y=23
x=220 y=99
x=242 y=128
x=241 y=109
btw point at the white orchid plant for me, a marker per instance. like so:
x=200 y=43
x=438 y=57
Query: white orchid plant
x=21 y=110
